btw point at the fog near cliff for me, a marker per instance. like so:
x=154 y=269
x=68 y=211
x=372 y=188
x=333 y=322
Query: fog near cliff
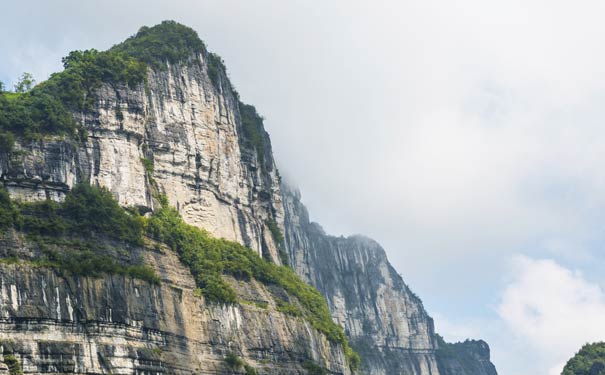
x=467 y=137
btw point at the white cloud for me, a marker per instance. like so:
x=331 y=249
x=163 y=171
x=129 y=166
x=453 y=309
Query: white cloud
x=552 y=311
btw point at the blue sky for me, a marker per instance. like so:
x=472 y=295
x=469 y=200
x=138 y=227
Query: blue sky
x=467 y=137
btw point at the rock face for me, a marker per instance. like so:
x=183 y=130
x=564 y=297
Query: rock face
x=470 y=357
x=64 y=324
x=182 y=134
x=184 y=127
x=385 y=322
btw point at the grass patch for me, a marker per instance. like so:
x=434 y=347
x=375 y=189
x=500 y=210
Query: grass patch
x=91 y=211
x=253 y=132
x=237 y=363
x=90 y=264
x=276 y=233
x=208 y=258
x=148 y=165
x=88 y=212
x=314 y=369
x=233 y=361
x=14 y=367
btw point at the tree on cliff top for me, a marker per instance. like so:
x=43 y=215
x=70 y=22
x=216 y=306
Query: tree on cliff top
x=590 y=360
x=25 y=83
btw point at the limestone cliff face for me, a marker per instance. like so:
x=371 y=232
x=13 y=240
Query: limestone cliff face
x=53 y=323
x=184 y=125
x=182 y=133
x=385 y=322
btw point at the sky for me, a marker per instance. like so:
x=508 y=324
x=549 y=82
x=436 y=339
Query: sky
x=465 y=136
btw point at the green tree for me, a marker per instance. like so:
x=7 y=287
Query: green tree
x=590 y=360
x=25 y=83
x=8 y=212
x=94 y=210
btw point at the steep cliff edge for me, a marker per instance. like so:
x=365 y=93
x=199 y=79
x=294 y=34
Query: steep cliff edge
x=175 y=128
x=385 y=322
x=171 y=132
x=88 y=287
x=471 y=357
x=182 y=129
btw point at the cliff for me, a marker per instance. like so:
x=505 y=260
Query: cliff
x=180 y=131
x=385 y=322
x=57 y=322
x=471 y=357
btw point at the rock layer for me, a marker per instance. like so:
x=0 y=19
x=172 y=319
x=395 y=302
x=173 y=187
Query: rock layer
x=115 y=324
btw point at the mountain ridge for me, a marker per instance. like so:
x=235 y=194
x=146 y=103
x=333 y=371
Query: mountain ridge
x=183 y=132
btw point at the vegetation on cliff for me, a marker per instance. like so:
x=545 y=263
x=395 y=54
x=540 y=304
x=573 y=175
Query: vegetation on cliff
x=253 y=131
x=32 y=112
x=48 y=107
x=590 y=360
x=86 y=211
x=236 y=363
x=167 y=42
x=66 y=233
x=208 y=258
x=14 y=367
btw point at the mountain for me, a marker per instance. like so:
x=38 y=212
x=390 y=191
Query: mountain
x=590 y=360
x=122 y=172
x=471 y=357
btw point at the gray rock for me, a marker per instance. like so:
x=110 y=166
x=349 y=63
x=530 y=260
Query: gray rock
x=385 y=322
x=191 y=131
x=64 y=324
x=471 y=357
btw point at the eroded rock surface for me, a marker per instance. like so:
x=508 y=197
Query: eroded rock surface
x=385 y=322
x=180 y=131
x=115 y=324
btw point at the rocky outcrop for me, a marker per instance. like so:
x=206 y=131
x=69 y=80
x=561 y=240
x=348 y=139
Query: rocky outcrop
x=385 y=322
x=53 y=323
x=181 y=132
x=471 y=357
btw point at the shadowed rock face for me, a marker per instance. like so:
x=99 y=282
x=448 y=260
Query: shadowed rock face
x=119 y=325
x=471 y=357
x=385 y=322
